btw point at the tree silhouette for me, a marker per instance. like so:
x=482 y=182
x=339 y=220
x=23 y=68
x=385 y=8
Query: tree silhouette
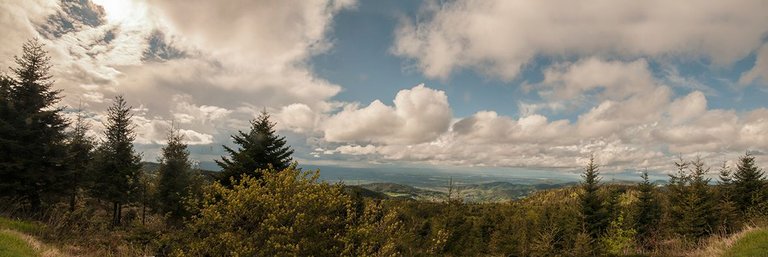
x=31 y=129
x=118 y=165
x=260 y=149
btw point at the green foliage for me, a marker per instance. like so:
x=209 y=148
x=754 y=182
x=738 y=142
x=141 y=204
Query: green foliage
x=284 y=213
x=595 y=218
x=78 y=174
x=31 y=130
x=117 y=164
x=748 y=184
x=377 y=232
x=648 y=215
x=261 y=149
x=175 y=177
x=618 y=238
x=692 y=203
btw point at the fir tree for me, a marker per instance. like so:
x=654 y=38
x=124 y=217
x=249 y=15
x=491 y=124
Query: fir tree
x=595 y=219
x=80 y=148
x=700 y=211
x=117 y=164
x=31 y=129
x=726 y=208
x=259 y=150
x=677 y=193
x=748 y=183
x=175 y=177
x=648 y=214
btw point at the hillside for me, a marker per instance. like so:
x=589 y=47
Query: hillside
x=485 y=192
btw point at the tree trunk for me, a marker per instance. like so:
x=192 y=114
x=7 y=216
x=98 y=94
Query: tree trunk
x=73 y=201
x=114 y=214
x=119 y=213
x=35 y=204
x=143 y=212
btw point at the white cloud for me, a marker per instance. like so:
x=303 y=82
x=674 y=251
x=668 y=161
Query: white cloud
x=236 y=30
x=419 y=114
x=634 y=122
x=497 y=37
x=617 y=79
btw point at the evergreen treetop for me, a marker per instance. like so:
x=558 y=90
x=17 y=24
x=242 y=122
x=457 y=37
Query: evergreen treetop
x=259 y=149
x=118 y=165
x=748 y=182
x=175 y=177
x=31 y=129
x=595 y=218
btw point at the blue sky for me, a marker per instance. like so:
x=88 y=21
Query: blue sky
x=446 y=85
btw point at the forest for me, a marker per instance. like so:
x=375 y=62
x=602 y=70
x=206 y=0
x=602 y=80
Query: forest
x=89 y=195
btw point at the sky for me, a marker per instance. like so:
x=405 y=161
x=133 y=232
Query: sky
x=450 y=85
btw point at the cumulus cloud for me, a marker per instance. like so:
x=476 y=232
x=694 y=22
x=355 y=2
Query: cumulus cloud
x=634 y=122
x=419 y=114
x=498 y=37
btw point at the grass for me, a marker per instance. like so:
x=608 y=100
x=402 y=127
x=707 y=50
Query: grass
x=18 y=225
x=754 y=243
x=12 y=245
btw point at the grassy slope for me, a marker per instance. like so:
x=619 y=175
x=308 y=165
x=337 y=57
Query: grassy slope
x=754 y=243
x=12 y=245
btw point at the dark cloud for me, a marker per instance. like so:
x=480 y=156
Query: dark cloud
x=160 y=49
x=73 y=16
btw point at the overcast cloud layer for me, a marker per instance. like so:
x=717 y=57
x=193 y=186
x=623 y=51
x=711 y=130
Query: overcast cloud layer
x=610 y=85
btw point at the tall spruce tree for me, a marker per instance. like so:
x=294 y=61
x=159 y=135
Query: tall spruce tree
x=700 y=207
x=118 y=166
x=748 y=183
x=80 y=148
x=175 y=177
x=648 y=213
x=595 y=219
x=728 y=218
x=260 y=149
x=677 y=193
x=31 y=129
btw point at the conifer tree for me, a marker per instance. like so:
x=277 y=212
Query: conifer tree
x=80 y=148
x=700 y=202
x=748 y=183
x=117 y=164
x=677 y=191
x=260 y=148
x=31 y=129
x=728 y=219
x=175 y=175
x=649 y=212
x=595 y=219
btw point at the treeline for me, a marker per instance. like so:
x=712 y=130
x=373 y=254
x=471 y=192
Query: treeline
x=261 y=204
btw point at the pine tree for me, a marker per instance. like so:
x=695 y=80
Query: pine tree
x=80 y=148
x=728 y=219
x=117 y=164
x=175 y=175
x=677 y=193
x=260 y=149
x=31 y=130
x=748 y=183
x=700 y=202
x=649 y=213
x=595 y=218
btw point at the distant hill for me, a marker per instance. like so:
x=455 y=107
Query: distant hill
x=485 y=192
x=152 y=168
